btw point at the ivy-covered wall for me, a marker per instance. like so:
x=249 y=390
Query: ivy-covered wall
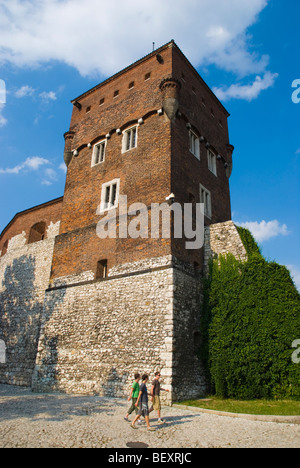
x=251 y=317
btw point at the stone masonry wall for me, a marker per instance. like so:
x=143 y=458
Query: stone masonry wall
x=143 y=318
x=220 y=239
x=24 y=276
x=90 y=336
x=188 y=374
x=96 y=335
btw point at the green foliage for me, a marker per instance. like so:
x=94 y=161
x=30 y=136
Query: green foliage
x=261 y=406
x=248 y=241
x=251 y=318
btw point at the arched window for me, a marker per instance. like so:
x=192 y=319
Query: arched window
x=2 y=352
x=101 y=269
x=37 y=233
x=4 y=248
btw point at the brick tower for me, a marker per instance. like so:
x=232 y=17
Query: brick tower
x=155 y=128
x=119 y=305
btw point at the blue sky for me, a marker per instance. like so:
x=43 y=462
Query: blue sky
x=247 y=51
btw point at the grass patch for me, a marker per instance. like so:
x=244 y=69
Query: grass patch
x=258 y=407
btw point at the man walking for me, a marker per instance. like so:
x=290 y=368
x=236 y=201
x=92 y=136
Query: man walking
x=134 y=394
x=142 y=402
x=155 y=394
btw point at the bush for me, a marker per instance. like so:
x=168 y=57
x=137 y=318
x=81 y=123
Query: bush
x=251 y=318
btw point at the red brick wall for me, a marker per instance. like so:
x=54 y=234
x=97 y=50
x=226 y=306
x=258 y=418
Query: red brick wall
x=23 y=222
x=208 y=118
x=135 y=168
x=205 y=121
x=144 y=172
x=161 y=163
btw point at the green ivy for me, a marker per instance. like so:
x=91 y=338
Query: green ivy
x=251 y=316
x=248 y=241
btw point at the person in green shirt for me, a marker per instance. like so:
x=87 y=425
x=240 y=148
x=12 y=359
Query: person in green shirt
x=134 y=394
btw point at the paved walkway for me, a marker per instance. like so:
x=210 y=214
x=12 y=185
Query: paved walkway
x=35 y=420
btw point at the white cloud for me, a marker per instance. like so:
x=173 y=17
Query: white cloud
x=103 y=36
x=46 y=182
x=24 y=91
x=50 y=176
x=35 y=162
x=264 y=230
x=235 y=57
x=47 y=97
x=3 y=120
x=247 y=92
x=2 y=92
x=31 y=164
x=295 y=273
x=63 y=168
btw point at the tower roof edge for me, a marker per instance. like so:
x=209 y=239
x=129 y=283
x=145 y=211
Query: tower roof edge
x=172 y=43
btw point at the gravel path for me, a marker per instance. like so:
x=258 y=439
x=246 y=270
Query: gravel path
x=33 y=420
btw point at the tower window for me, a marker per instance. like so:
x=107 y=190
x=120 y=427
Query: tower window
x=212 y=162
x=194 y=144
x=131 y=85
x=37 y=233
x=110 y=195
x=99 y=153
x=147 y=76
x=116 y=93
x=102 y=271
x=129 y=139
x=205 y=198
